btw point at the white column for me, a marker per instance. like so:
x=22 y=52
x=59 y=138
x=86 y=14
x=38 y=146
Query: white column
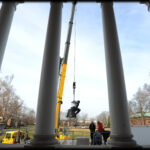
x=118 y=107
x=46 y=109
x=6 y=16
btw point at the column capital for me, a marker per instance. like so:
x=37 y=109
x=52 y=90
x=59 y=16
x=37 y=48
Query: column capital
x=13 y=4
x=57 y=3
x=110 y=3
x=146 y=3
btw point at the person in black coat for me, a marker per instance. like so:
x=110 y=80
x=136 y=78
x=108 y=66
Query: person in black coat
x=92 y=128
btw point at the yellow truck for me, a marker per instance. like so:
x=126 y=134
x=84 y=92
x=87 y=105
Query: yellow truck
x=11 y=137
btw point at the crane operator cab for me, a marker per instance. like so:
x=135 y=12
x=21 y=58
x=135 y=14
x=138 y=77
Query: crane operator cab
x=74 y=110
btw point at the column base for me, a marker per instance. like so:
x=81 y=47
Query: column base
x=44 y=140
x=124 y=142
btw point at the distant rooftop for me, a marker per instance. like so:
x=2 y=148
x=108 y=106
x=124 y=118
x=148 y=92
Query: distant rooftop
x=138 y=115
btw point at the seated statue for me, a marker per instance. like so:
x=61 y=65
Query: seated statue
x=74 y=110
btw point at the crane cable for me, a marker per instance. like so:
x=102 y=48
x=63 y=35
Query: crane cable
x=74 y=82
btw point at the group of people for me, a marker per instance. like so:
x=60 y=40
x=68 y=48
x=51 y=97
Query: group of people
x=96 y=135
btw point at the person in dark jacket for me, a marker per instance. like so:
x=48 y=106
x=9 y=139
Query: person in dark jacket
x=92 y=128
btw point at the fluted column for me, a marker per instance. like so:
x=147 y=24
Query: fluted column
x=6 y=16
x=46 y=109
x=118 y=107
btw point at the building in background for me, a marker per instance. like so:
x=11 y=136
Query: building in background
x=136 y=119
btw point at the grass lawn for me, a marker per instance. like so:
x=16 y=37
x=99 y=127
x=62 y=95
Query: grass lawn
x=78 y=132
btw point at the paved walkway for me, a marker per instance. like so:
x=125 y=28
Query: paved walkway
x=22 y=146
x=74 y=142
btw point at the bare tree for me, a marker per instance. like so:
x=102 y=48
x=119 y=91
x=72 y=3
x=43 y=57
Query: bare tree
x=103 y=117
x=15 y=108
x=27 y=116
x=93 y=118
x=62 y=118
x=83 y=117
x=140 y=102
x=6 y=92
x=11 y=105
x=132 y=107
x=63 y=115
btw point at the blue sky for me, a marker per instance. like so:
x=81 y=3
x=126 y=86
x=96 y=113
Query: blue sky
x=24 y=52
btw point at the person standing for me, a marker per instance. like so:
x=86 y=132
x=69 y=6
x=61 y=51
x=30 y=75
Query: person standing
x=18 y=137
x=100 y=126
x=104 y=133
x=92 y=128
x=26 y=137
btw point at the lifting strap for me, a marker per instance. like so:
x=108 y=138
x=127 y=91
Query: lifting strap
x=73 y=111
x=74 y=83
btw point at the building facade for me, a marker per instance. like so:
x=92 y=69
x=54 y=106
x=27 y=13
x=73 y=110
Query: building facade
x=136 y=119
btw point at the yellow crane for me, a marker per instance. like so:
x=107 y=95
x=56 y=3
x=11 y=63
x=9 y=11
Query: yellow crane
x=63 y=68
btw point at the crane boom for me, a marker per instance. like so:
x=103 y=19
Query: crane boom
x=63 y=67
